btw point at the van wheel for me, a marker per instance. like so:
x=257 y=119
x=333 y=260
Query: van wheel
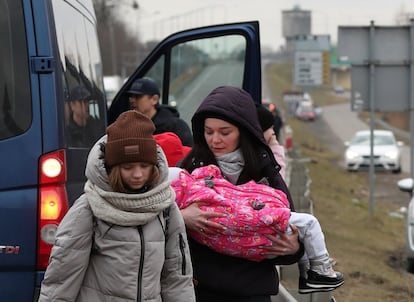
x=397 y=171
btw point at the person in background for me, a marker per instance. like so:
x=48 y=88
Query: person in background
x=82 y=129
x=277 y=120
x=124 y=239
x=266 y=121
x=144 y=96
x=173 y=149
x=227 y=134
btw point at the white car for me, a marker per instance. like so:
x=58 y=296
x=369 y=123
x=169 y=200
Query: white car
x=386 y=151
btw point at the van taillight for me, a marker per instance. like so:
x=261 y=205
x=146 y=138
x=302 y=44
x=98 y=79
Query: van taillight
x=53 y=202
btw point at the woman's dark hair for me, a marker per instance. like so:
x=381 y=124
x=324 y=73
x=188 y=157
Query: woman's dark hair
x=251 y=171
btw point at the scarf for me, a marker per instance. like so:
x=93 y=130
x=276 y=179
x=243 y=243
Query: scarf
x=129 y=209
x=231 y=165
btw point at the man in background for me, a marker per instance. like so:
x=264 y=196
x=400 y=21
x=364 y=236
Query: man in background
x=82 y=129
x=144 y=96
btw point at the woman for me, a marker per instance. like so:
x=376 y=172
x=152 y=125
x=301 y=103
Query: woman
x=227 y=134
x=124 y=239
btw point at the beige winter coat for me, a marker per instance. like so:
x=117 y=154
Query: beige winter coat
x=117 y=247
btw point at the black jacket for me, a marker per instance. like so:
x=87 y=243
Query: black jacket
x=167 y=120
x=217 y=272
x=83 y=136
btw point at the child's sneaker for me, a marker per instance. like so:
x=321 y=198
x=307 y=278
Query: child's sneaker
x=319 y=281
x=305 y=289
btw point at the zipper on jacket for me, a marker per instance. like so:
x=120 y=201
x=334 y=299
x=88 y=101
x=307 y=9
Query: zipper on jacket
x=182 y=249
x=141 y=263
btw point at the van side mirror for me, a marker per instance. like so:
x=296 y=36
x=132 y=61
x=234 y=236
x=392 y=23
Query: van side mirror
x=406 y=185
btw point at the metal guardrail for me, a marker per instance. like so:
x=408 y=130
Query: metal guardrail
x=398 y=132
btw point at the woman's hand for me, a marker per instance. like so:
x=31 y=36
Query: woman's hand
x=283 y=243
x=198 y=220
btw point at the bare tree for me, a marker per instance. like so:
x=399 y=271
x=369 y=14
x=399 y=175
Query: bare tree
x=403 y=17
x=117 y=43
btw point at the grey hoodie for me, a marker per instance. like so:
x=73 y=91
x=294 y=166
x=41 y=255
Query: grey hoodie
x=118 y=247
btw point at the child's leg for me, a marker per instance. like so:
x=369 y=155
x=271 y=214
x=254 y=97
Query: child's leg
x=320 y=275
x=303 y=265
x=310 y=233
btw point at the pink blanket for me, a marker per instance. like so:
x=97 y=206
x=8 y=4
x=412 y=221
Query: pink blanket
x=251 y=209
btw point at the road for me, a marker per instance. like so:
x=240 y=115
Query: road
x=201 y=85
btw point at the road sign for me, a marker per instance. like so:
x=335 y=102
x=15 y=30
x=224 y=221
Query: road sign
x=389 y=52
x=392 y=88
x=308 y=70
x=311 y=60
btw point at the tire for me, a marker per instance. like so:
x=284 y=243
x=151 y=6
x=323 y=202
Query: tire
x=410 y=265
x=397 y=171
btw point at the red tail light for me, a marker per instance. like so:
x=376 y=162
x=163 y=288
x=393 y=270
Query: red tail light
x=53 y=202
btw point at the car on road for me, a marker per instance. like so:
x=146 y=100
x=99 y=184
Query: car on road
x=386 y=153
x=305 y=111
x=407 y=185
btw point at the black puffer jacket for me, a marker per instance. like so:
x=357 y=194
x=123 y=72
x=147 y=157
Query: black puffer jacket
x=217 y=272
x=167 y=119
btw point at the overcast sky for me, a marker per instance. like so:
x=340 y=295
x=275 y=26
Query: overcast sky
x=161 y=17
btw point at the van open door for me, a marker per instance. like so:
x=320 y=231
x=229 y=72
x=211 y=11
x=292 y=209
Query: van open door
x=189 y=64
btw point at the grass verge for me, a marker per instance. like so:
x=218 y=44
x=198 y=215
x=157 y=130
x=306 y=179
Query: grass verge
x=368 y=247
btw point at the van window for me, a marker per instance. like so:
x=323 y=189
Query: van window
x=212 y=61
x=85 y=105
x=15 y=100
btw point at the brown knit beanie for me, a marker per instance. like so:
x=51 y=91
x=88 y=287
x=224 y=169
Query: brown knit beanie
x=130 y=140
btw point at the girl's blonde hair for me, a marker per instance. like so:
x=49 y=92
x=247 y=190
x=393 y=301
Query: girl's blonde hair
x=115 y=179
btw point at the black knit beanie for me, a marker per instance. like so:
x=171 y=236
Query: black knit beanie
x=266 y=118
x=130 y=140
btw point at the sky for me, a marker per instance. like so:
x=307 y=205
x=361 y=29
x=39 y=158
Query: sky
x=158 y=18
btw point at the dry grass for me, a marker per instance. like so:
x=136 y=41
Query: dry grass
x=368 y=247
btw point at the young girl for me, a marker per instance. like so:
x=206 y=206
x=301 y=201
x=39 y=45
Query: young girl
x=124 y=238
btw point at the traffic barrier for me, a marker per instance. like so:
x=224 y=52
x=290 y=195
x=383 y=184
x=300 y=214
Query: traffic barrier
x=288 y=138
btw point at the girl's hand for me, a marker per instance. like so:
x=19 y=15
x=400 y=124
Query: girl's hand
x=270 y=137
x=198 y=220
